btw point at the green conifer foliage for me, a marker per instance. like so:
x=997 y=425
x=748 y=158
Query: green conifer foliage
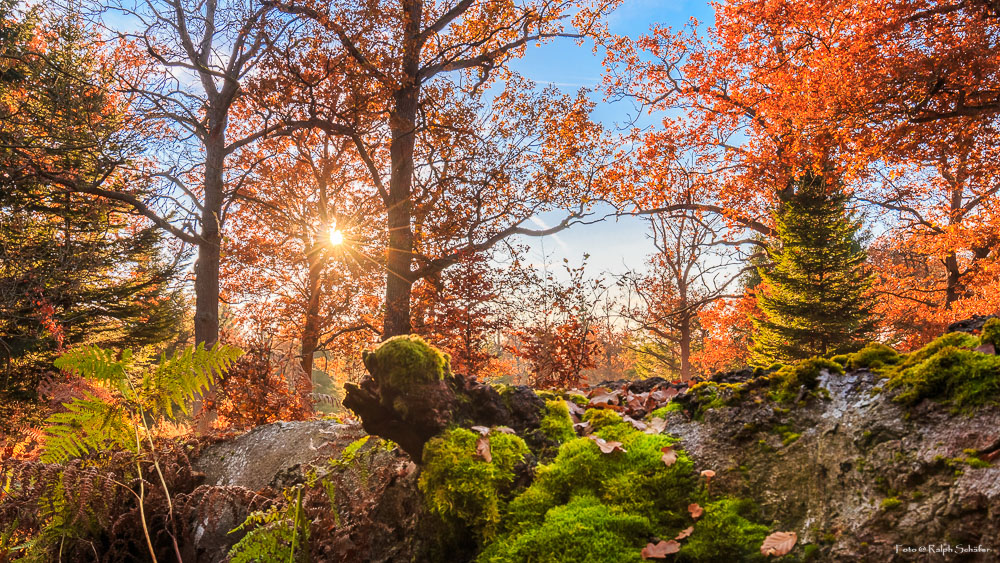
x=815 y=295
x=73 y=269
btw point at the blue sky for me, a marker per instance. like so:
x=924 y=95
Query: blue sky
x=613 y=245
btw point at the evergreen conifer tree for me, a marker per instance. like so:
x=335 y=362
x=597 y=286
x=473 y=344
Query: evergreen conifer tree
x=815 y=295
x=72 y=270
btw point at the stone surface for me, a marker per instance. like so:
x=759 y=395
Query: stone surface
x=856 y=448
x=256 y=459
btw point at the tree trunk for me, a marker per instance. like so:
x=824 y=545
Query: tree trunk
x=206 y=284
x=310 y=333
x=206 y=280
x=685 y=347
x=402 y=124
x=952 y=279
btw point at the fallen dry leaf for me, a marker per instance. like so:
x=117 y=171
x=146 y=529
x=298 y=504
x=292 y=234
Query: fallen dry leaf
x=607 y=447
x=608 y=401
x=685 y=533
x=637 y=424
x=987 y=348
x=505 y=429
x=483 y=448
x=660 y=550
x=778 y=544
x=582 y=428
x=599 y=391
x=657 y=426
x=574 y=409
x=696 y=510
x=669 y=456
x=483 y=430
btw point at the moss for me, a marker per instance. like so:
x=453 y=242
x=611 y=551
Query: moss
x=664 y=411
x=952 y=339
x=991 y=333
x=764 y=446
x=405 y=360
x=963 y=378
x=810 y=552
x=708 y=395
x=725 y=533
x=581 y=530
x=600 y=418
x=557 y=424
x=350 y=453
x=595 y=507
x=841 y=359
x=635 y=481
x=461 y=487
x=580 y=400
x=970 y=461
x=787 y=381
x=874 y=356
x=891 y=503
x=789 y=437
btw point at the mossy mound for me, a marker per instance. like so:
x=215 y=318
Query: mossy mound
x=962 y=378
x=788 y=380
x=581 y=530
x=604 y=507
x=601 y=418
x=402 y=361
x=991 y=333
x=461 y=486
x=874 y=356
x=952 y=339
x=726 y=532
x=557 y=424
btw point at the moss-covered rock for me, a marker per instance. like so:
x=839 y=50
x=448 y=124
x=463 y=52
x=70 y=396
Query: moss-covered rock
x=557 y=424
x=991 y=333
x=962 y=378
x=404 y=360
x=582 y=530
x=600 y=418
x=726 y=532
x=952 y=339
x=873 y=356
x=788 y=380
x=462 y=487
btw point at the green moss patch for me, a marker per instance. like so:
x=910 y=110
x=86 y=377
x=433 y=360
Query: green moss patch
x=962 y=378
x=402 y=361
x=991 y=333
x=461 y=486
x=604 y=507
x=787 y=381
x=583 y=529
x=874 y=356
x=726 y=532
x=557 y=424
x=662 y=412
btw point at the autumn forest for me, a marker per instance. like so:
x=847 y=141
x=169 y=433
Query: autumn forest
x=499 y=280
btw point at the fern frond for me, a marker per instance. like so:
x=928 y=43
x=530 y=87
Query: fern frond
x=96 y=363
x=189 y=373
x=89 y=424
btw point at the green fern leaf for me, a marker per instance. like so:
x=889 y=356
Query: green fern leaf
x=88 y=425
x=178 y=380
x=95 y=363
